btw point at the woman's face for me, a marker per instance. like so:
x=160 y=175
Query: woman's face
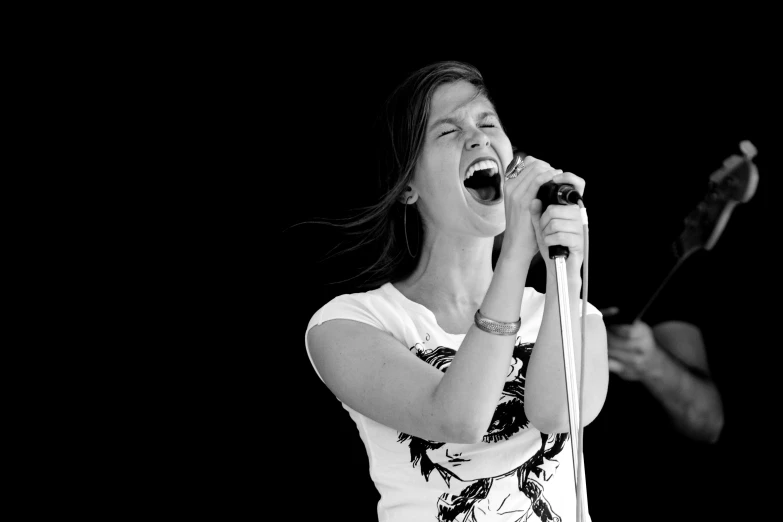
x=459 y=174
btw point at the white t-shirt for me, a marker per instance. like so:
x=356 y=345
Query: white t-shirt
x=516 y=473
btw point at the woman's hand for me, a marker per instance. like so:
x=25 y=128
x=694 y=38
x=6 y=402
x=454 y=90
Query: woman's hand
x=532 y=230
x=519 y=193
x=561 y=225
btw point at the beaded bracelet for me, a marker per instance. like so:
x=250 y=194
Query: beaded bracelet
x=496 y=327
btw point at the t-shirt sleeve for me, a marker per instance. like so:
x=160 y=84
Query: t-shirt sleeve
x=591 y=309
x=349 y=306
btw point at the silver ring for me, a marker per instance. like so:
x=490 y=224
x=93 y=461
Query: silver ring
x=516 y=168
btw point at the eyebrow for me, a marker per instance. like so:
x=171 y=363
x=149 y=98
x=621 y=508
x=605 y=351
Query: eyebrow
x=454 y=121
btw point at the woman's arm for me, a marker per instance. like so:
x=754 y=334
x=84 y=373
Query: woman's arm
x=546 y=403
x=375 y=374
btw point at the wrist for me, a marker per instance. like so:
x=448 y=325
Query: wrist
x=662 y=367
x=515 y=257
x=574 y=281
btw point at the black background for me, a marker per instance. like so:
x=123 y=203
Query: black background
x=644 y=125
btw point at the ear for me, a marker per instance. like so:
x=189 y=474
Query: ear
x=409 y=196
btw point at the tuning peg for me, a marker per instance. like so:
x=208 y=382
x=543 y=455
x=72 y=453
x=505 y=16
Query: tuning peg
x=748 y=149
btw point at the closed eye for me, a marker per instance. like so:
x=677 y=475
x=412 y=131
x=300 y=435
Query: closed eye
x=447 y=132
x=490 y=120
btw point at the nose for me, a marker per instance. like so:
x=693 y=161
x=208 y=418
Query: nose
x=477 y=140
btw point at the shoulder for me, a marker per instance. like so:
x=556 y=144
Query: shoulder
x=372 y=307
x=349 y=327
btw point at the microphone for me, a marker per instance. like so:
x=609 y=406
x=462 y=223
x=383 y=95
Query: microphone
x=551 y=193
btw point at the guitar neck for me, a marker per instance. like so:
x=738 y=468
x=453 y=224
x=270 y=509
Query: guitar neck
x=640 y=311
x=652 y=280
x=734 y=183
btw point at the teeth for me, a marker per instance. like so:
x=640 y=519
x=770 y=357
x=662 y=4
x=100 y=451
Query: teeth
x=482 y=165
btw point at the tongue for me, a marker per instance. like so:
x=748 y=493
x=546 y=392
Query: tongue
x=483 y=194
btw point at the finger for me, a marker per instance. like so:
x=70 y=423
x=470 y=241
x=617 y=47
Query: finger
x=618 y=349
x=627 y=357
x=561 y=218
x=550 y=225
x=527 y=183
x=533 y=162
x=535 y=208
x=525 y=192
x=539 y=176
x=616 y=334
x=638 y=332
x=627 y=331
x=568 y=212
x=530 y=165
x=572 y=241
x=616 y=366
x=573 y=179
x=620 y=340
x=622 y=348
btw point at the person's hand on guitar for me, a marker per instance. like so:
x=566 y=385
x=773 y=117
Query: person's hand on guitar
x=633 y=352
x=670 y=360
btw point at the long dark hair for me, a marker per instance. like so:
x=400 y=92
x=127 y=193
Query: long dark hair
x=400 y=131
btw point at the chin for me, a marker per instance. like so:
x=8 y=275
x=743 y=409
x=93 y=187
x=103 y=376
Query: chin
x=492 y=227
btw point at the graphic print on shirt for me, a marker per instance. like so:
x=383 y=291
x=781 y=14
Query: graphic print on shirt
x=479 y=488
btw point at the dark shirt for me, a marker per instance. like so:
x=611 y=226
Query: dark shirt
x=639 y=466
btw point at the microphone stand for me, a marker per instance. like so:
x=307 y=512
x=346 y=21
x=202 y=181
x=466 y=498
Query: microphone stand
x=560 y=254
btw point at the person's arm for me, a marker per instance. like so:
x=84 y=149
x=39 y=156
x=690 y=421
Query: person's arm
x=375 y=374
x=545 y=390
x=546 y=402
x=670 y=360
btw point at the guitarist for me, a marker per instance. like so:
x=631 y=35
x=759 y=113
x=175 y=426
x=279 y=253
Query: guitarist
x=664 y=414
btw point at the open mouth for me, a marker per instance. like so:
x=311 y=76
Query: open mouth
x=483 y=181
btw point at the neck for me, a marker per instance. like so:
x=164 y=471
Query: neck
x=453 y=272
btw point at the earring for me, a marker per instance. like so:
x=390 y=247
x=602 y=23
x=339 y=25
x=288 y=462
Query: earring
x=405 y=227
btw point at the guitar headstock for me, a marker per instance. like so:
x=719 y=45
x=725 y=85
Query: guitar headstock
x=735 y=182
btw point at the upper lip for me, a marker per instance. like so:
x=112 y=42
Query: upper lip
x=482 y=158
